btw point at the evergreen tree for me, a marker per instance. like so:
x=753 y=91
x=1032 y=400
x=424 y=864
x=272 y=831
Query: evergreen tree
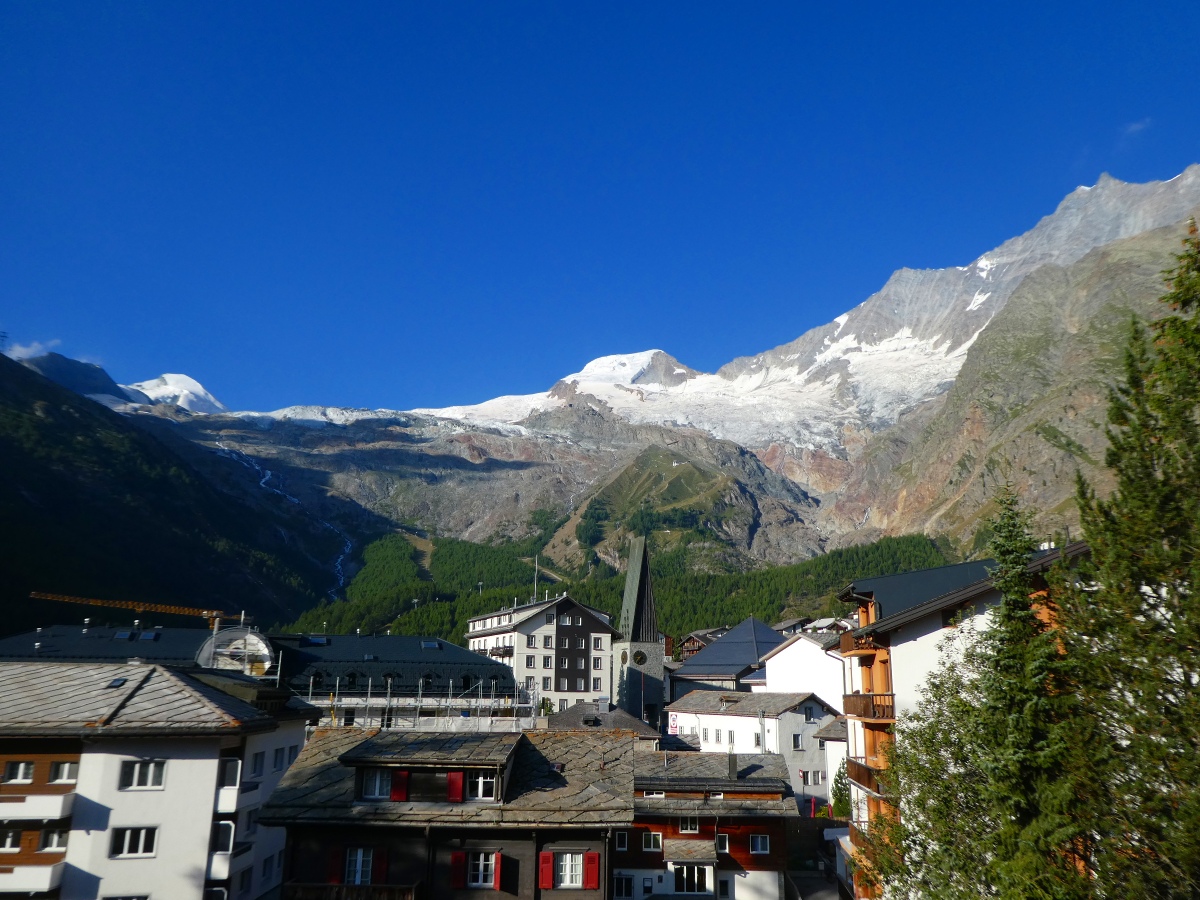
x=840 y=793
x=1135 y=615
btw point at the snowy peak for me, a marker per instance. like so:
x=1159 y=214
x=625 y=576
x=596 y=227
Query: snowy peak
x=177 y=390
x=650 y=367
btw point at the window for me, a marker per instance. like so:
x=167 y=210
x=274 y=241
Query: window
x=142 y=775
x=596 y=684
x=294 y=750
x=531 y=662
x=568 y=870
x=723 y=889
x=268 y=869
x=481 y=786
x=562 y=685
x=581 y=662
x=549 y=618
x=64 y=772
x=54 y=839
x=718 y=735
x=623 y=887
x=580 y=643
x=653 y=794
x=704 y=735
x=277 y=757
x=547 y=641
x=347 y=719
x=689 y=825
x=377 y=784
x=563 y=705
x=257 y=763
x=579 y=684
x=132 y=842
x=546 y=683
x=622 y=840
x=222 y=837
x=563 y=662
x=481 y=869
x=760 y=843
x=547 y=662
x=565 y=643
x=245 y=880
x=716 y=795
x=757 y=739
x=809 y=714
x=10 y=840
x=797 y=742
x=821 y=744
x=564 y=620
x=597 y=643
x=579 y=620
x=722 y=843
x=691 y=879
x=529 y=682
x=358 y=865
x=18 y=772
x=251 y=822
x=651 y=840
x=730 y=737
x=647 y=886
x=531 y=640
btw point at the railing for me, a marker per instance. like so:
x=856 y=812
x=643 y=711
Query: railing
x=500 y=651
x=850 y=644
x=294 y=891
x=36 y=806
x=878 y=707
x=862 y=774
x=30 y=879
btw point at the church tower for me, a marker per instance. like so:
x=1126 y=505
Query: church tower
x=638 y=653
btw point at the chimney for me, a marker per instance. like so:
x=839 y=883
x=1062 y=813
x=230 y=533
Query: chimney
x=733 y=767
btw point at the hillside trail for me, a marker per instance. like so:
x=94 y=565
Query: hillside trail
x=424 y=548
x=550 y=574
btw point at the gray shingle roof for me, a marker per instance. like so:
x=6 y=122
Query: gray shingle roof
x=758 y=773
x=740 y=703
x=833 y=731
x=433 y=748
x=586 y=717
x=110 y=699
x=735 y=651
x=690 y=851
x=639 y=620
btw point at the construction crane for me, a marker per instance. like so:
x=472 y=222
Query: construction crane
x=211 y=614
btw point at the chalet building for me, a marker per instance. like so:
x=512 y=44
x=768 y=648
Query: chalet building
x=730 y=663
x=380 y=680
x=562 y=652
x=135 y=780
x=784 y=724
x=903 y=619
x=695 y=641
x=598 y=813
x=805 y=662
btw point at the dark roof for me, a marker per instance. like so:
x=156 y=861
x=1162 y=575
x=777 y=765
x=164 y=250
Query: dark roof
x=639 y=621
x=735 y=651
x=705 y=773
x=558 y=778
x=524 y=613
x=433 y=748
x=121 y=699
x=896 y=593
x=587 y=717
x=833 y=731
x=741 y=703
x=100 y=643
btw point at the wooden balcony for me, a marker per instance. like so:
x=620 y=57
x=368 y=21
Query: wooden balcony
x=293 y=891
x=500 y=651
x=870 y=707
x=862 y=774
x=851 y=644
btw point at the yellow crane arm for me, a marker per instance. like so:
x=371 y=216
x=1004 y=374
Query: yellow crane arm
x=209 y=614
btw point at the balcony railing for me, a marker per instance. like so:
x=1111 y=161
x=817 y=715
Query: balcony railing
x=872 y=707
x=862 y=774
x=293 y=891
x=35 y=806
x=850 y=644
x=30 y=879
x=500 y=651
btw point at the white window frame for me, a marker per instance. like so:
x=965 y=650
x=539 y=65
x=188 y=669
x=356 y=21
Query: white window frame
x=597 y=643
x=568 y=869
x=722 y=842
x=144 y=775
x=258 y=763
x=698 y=872
x=564 y=619
x=760 y=844
x=134 y=837
x=652 y=841
x=481 y=869
x=359 y=863
x=758 y=739
x=718 y=740
x=623 y=887
x=689 y=824
x=597 y=683
x=580 y=684
x=377 y=784
x=547 y=662
x=797 y=741
x=547 y=683
x=224 y=832
x=10 y=840
x=57 y=770
x=704 y=735
x=53 y=840
x=279 y=759
x=530 y=661
x=598 y=663
x=18 y=771
x=481 y=786
x=653 y=794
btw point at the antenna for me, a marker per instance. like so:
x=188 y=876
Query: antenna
x=535 y=574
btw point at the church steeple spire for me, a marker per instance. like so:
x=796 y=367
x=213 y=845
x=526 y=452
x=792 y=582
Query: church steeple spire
x=639 y=621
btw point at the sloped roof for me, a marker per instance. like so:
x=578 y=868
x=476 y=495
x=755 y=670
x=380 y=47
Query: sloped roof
x=896 y=593
x=561 y=778
x=833 y=731
x=433 y=748
x=98 y=699
x=734 y=652
x=825 y=641
x=96 y=643
x=586 y=717
x=762 y=774
x=741 y=703
x=639 y=620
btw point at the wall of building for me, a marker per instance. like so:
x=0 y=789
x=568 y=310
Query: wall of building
x=916 y=652
x=268 y=842
x=803 y=667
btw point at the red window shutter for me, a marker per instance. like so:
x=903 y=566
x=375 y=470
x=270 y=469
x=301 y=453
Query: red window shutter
x=379 y=866
x=546 y=870
x=591 y=871
x=337 y=866
x=496 y=870
x=458 y=869
x=454 y=787
x=399 y=784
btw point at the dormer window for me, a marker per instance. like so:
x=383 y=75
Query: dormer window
x=481 y=786
x=351 y=682
x=377 y=784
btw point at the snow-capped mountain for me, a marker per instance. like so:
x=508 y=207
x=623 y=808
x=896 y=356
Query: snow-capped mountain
x=176 y=390
x=896 y=350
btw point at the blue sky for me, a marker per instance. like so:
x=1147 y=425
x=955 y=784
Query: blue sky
x=423 y=204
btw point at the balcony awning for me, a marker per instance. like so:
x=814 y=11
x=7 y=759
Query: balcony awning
x=694 y=852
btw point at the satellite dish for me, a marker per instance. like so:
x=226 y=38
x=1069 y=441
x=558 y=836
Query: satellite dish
x=238 y=650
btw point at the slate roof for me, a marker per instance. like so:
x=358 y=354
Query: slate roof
x=586 y=717
x=741 y=703
x=424 y=748
x=735 y=651
x=833 y=731
x=764 y=774
x=595 y=786
x=98 y=699
x=639 y=620
x=99 y=643
x=690 y=851
x=522 y=614
x=896 y=593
